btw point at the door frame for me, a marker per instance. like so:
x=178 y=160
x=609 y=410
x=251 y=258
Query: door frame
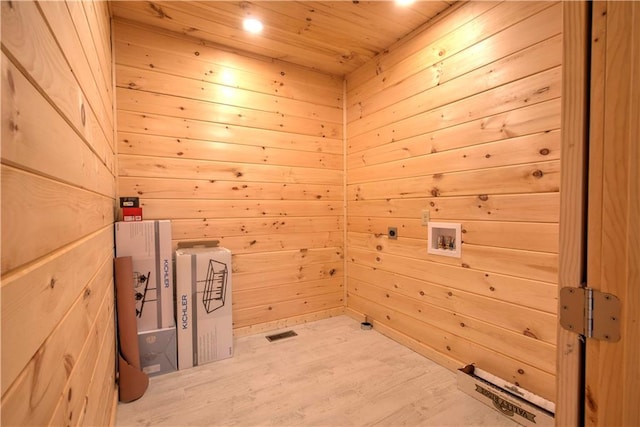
x=576 y=16
x=597 y=381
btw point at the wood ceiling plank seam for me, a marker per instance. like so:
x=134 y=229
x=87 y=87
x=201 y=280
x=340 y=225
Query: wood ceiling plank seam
x=374 y=15
x=289 y=19
x=280 y=47
x=343 y=38
x=274 y=33
x=188 y=30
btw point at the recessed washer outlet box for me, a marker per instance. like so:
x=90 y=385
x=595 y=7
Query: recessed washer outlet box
x=445 y=239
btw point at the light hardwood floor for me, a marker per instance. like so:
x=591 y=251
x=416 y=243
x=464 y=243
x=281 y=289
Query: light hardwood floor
x=332 y=374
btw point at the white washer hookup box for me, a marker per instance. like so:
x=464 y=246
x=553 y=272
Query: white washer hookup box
x=148 y=243
x=203 y=305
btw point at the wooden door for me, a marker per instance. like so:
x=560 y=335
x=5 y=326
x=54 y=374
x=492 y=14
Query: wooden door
x=612 y=382
x=599 y=383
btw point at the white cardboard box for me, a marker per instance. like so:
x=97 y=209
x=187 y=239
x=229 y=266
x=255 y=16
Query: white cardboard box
x=158 y=351
x=203 y=305
x=149 y=245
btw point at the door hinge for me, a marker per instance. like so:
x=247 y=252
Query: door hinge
x=590 y=313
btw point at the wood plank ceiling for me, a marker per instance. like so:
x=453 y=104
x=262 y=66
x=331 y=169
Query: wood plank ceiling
x=334 y=37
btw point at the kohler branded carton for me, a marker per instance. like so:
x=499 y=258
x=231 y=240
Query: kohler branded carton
x=525 y=409
x=203 y=305
x=158 y=351
x=148 y=243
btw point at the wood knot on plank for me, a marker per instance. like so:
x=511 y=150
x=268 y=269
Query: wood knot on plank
x=435 y=192
x=591 y=402
x=83 y=115
x=13 y=126
x=158 y=11
x=483 y=197
x=529 y=334
x=10 y=83
x=545 y=151
x=68 y=363
x=538 y=173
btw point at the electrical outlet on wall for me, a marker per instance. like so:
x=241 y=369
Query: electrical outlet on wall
x=425 y=217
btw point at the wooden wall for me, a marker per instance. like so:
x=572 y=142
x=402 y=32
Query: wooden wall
x=245 y=150
x=58 y=188
x=463 y=119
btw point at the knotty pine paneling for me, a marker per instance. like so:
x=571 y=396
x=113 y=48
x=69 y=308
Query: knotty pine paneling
x=58 y=196
x=462 y=119
x=244 y=150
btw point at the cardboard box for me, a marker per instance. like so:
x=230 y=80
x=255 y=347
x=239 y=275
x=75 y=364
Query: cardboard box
x=158 y=351
x=515 y=408
x=149 y=245
x=129 y=202
x=203 y=305
x=131 y=214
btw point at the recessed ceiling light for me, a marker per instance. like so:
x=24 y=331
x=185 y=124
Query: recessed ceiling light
x=252 y=25
x=404 y=2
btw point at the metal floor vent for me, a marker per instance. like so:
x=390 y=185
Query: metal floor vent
x=281 y=336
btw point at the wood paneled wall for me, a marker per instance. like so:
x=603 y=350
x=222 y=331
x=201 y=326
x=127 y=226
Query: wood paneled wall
x=58 y=189
x=463 y=120
x=244 y=150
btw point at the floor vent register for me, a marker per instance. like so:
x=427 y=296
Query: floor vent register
x=281 y=336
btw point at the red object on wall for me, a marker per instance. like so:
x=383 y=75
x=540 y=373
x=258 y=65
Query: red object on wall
x=132 y=214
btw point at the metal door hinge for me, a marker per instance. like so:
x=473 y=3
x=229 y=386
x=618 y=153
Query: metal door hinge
x=590 y=313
